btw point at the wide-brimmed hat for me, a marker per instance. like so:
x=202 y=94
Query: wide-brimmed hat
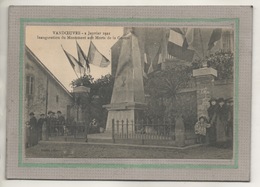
x=50 y=112
x=229 y=100
x=203 y=117
x=212 y=99
x=31 y=114
x=221 y=100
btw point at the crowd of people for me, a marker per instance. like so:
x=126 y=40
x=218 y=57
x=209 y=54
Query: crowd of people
x=44 y=127
x=217 y=128
x=54 y=125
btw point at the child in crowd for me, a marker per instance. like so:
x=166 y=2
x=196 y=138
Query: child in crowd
x=201 y=129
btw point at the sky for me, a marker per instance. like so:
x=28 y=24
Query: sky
x=50 y=53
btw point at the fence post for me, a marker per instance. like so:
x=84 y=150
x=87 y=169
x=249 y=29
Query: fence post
x=133 y=128
x=113 y=130
x=126 y=128
x=164 y=131
x=117 y=127
x=76 y=130
x=142 y=132
x=86 y=132
x=173 y=129
x=122 y=128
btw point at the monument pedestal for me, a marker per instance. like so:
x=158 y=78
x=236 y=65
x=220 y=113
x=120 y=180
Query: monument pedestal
x=123 y=111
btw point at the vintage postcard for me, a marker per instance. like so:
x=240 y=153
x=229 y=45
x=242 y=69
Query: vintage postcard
x=129 y=93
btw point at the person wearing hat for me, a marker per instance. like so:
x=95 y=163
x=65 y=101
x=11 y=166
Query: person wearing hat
x=60 y=122
x=229 y=103
x=33 y=139
x=211 y=131
x=50 y=123
x=40 y=122
x=221 y=125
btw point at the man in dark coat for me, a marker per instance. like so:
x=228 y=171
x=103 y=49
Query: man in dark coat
x=60 y=122
x=39 y=126
x=221 y=125
x=33 y=139
x=230 y=121
x=50 y=123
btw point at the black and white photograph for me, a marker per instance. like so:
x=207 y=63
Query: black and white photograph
x=128 y=92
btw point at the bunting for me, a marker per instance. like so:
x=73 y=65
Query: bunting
x=178 y=45
x=215 y=36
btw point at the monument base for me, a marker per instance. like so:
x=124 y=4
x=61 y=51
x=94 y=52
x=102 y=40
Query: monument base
x=123 y=111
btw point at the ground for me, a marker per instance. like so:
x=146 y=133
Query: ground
x=110 y=150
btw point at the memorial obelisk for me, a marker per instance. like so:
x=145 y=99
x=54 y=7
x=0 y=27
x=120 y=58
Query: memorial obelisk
x=128 y=100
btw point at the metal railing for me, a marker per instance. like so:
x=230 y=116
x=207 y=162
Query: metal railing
x=143 y=130
x=76 y=131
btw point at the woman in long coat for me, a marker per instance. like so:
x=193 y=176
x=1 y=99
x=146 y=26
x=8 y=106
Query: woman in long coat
x=221 y=125
x=33 y=139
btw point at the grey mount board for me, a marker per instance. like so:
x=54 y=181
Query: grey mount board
x=21 y=162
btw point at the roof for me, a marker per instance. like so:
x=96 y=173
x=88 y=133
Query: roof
x=47 y=71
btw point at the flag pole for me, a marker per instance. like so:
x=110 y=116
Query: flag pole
x=78 y=57
x=72 y=68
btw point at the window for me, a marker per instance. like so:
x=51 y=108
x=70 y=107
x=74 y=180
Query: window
x=57 y=98
x=29 y=85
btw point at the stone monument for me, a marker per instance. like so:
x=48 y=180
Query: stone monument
x=128 y=100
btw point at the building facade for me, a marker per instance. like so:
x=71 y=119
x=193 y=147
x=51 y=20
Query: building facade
x=43 y=92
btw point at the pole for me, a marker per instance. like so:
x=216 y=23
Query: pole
x=113 y=130
x=47 y=95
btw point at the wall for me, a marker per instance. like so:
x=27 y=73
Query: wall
x=45 y=89
x=223 y=89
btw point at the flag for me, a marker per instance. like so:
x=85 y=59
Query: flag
x=96 y=58
x=156 y=64
x=150 y=69
x=77 y=67
x=189 y=35
x=83 y=60
x=176 y=36
x=215 y=36
x=146 y=66
x=177 y=46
